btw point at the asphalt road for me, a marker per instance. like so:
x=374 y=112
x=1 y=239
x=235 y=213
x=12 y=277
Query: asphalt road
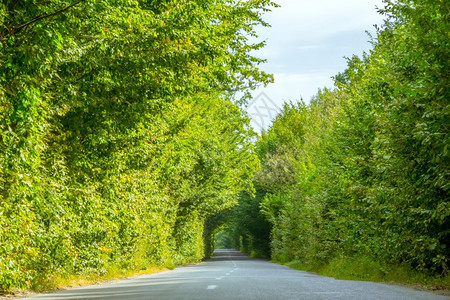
x=232 y=275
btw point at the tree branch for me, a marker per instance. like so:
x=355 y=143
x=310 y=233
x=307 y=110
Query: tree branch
x=46 y=16
x=20 y=27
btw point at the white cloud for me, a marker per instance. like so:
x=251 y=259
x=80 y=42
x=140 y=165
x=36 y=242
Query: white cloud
x=308 y=40
x=293 y=87
x=318 y=19
x=313 y=10
x=307 y=47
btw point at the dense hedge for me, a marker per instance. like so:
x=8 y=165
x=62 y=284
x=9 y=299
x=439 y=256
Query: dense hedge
x=119 y=132
x=363 y=170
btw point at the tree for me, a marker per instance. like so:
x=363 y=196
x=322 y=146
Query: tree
x=104 y=161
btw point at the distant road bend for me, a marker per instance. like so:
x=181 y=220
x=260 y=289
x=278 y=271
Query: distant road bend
x=232 y=275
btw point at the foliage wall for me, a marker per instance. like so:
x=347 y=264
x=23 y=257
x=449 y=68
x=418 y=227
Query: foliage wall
x=363 y=170
x=119 y=132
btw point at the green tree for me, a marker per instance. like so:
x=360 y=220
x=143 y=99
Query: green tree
x=119 y=132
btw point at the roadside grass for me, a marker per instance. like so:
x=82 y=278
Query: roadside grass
x=362 y=268
x=60 y=281
x=56 y=281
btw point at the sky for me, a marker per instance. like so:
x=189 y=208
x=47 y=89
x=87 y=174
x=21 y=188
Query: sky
x=306 y=45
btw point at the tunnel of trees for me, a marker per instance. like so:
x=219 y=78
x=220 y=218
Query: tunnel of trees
x=124 y=145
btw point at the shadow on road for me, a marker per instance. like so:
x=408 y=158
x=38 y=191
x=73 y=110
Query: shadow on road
x=228 y=254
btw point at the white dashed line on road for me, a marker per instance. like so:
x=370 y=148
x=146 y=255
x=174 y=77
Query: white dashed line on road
x=211 y=287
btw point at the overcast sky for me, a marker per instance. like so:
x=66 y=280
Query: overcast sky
x=308 y=41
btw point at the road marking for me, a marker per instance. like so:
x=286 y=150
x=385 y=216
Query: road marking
x=211 y=287
x=219 y=278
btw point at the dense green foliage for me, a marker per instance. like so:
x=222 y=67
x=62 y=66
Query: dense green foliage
x=363 y=170
x=120 y=133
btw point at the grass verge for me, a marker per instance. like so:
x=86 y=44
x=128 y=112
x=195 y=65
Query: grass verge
x=361 y=268
x=61 y=281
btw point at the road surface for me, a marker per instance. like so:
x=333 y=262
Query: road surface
x=232 y=275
